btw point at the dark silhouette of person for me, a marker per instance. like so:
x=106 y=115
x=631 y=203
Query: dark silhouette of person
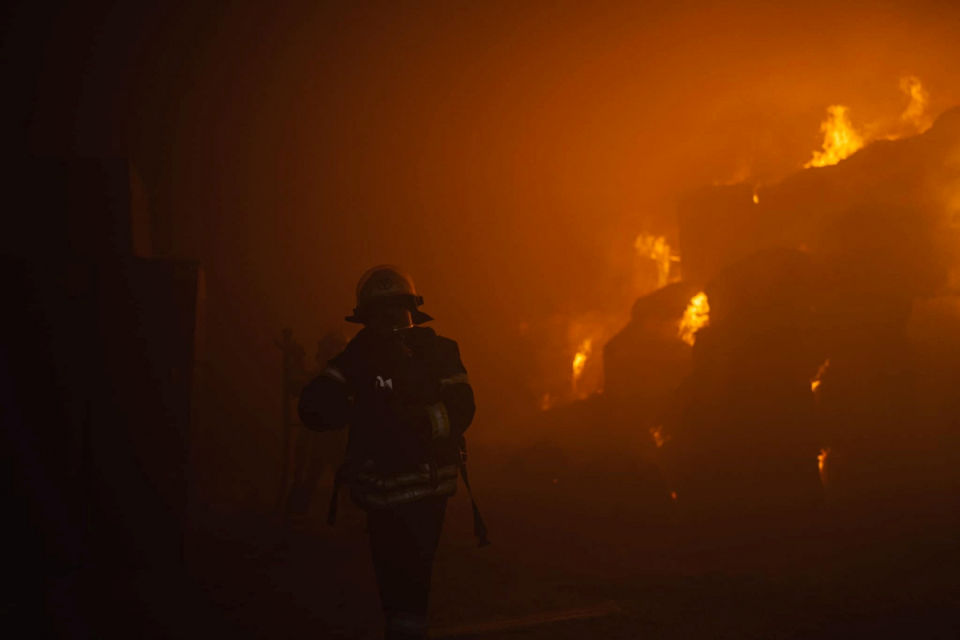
x=405 y=395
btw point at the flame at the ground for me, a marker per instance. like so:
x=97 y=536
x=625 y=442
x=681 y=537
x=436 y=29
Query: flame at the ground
x=695 y=318
x=657 y=249
x=580 y=360
x=817 y=379
x=840 y=139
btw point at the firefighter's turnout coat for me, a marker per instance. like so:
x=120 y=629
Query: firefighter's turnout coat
x=407 y=400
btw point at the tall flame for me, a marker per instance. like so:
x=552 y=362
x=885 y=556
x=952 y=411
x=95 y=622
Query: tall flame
x=840 y=139
x=694 y=318
x=580 y=360
x=657 y=249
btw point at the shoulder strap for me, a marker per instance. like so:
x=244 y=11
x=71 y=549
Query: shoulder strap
x=479 y=526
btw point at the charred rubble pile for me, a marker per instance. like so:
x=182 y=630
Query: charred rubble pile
x=828 y=367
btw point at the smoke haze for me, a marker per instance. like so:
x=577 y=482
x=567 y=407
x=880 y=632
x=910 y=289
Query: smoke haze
x=506 y=155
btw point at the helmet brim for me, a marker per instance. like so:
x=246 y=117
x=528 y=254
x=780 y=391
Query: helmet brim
x=417 y=317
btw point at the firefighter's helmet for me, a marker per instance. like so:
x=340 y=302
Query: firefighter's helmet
x=384 y=286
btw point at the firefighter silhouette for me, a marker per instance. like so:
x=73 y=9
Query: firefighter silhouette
x=405 y=396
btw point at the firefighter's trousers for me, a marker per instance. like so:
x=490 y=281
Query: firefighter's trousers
x=403 y=540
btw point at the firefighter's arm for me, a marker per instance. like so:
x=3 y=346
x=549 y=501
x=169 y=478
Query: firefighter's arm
x=454 y=412
x=325 y=403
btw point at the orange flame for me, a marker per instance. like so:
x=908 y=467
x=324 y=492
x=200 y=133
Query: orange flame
x=546 y=402
x=580 y=360
x=822 y=458
x=694 y=318
x=657 y=249
x=821 y=464
x=657 y=434
x=840 y=139
x=815 y=383
x=916 y=111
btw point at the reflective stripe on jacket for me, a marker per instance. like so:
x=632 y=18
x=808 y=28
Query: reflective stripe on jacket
x=407 y=401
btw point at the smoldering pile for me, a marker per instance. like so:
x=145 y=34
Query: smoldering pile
x=829 y=366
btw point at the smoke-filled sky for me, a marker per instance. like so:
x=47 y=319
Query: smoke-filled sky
x=507 y=154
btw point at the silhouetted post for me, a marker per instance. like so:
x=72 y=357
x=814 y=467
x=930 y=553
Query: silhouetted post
x=292 y=374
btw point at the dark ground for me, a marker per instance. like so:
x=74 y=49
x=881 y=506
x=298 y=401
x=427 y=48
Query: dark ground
x=840 y=577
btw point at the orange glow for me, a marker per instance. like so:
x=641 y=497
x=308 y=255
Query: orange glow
x=695 y=318
x=580 y=360
x=821 y=464
x=582 y=343
x=916 y=112
x=546 y=402
x=657 y=249
x=756 y=198
x=840 y=139
x=657 y=434
x=817 y=379
x=673 y=495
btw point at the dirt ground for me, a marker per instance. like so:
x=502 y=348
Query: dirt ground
x=247 y=576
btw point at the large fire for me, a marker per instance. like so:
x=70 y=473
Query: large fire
x=694 y=318
x=840 y=139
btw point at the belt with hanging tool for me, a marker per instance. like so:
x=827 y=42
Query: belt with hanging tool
x=437 y=479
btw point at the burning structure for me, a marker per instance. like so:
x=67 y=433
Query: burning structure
x=875 y=233
x=837 y=263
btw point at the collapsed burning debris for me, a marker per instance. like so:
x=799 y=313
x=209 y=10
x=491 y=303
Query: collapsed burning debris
x=783 y=360
x=746 y=437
